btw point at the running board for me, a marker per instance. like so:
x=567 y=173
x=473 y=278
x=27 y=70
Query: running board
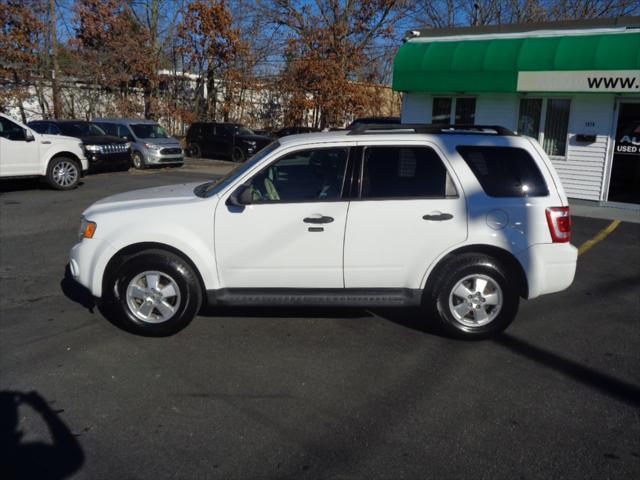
x=315 y=297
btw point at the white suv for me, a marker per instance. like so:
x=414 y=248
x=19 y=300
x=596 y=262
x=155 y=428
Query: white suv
x=27 y=153
x=460 y=222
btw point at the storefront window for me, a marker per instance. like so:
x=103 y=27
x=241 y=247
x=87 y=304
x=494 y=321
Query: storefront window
x=444 y=107
x=441 y=113
x=555 y=127
x=465 y=111
x=529 y=117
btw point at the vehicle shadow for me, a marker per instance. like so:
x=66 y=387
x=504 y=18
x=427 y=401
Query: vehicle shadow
x=602 y=382
x=76 y=292
x=35 y=459
x=22 y=184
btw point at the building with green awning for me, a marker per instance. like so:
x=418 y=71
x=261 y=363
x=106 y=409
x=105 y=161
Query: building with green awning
x=573 y=86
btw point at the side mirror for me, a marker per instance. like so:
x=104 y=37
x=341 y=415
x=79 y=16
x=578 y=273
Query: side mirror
x=241 y=196
x=28 y=136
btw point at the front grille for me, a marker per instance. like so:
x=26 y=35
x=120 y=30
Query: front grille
x=114 y=148
x=171 y=151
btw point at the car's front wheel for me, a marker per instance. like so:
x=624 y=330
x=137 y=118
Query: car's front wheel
x=474 y=298
x=155 y=293
x=63 y=173
x=137 y=160
x=238 y=155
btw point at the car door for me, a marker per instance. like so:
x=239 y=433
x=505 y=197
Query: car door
x=223 y=141
x=19 y=150
x=410 y=210
x=291 y=233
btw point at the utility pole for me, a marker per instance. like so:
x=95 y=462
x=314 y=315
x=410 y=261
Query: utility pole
x=55 y=90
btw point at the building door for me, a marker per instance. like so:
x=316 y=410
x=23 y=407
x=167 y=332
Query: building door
x=624 y=185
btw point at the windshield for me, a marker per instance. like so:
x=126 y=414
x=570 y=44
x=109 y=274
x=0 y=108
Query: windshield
x=211 y=188
x=149 y=130
x=244 y=131
x=80 y=129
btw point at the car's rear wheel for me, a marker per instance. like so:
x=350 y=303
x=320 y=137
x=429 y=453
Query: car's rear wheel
x=238 y=155
x=63 y=173
x=137 y=160
x=474 y=298
x=154 y=293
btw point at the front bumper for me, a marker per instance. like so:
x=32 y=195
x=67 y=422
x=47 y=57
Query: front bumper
x=98 y=161
x=158 y=158
x=550 y=267
x=87 y=262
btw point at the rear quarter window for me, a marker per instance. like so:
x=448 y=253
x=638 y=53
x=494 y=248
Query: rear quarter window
x=505 y=171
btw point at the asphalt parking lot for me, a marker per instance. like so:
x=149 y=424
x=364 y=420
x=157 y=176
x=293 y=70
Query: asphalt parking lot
x=325 y=394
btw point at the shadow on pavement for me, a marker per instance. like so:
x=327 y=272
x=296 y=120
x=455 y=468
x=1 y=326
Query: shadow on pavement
x=76 y=292
x=606 y=384
x=35 y=459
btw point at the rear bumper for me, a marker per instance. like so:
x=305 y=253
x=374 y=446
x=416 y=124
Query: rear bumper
x=550 y=267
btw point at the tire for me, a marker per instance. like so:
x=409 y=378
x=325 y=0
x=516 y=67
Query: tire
x=195 y=151
x=138 y=161
x=474 y=298
x=157 y=310
x=238 y=155
x=63 y=173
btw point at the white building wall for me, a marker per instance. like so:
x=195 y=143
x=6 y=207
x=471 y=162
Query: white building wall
x=497 y=110
x=582 y=170
x=416 y=108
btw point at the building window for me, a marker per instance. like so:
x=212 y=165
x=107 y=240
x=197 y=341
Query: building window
x=529 y=117
x=462 y=110
x=441 y=113
x=465 y=111
x=547 y=121
x=556 y=125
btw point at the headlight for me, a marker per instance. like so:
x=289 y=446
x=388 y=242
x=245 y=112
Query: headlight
x=153 y=146
x=87 y=228
x=127 y=145
x=93 y=148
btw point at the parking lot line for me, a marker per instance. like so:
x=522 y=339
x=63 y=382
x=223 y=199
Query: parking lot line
x=604 y=233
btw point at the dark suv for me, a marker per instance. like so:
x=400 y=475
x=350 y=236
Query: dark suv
x=103 y=152
x=223 y=140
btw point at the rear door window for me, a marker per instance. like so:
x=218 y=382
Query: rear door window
x=505 y=171
x=404 y=172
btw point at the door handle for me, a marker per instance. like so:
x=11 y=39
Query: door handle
x=315 y=219
x=437 y=216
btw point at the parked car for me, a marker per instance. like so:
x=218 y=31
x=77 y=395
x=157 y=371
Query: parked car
x=374 y=120
x=27 y=153
x=294 y=131
x=151 y=145
x=104 y=152
x=461 y=223
x=223 y=140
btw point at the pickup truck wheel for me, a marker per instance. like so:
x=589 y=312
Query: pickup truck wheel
x=474 y=298
x=137 y=161
x=238 y=155
x=194 y=150
x=156 y=294
x=63 y=173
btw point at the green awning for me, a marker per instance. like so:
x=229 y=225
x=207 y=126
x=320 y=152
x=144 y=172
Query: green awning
x=492 y=65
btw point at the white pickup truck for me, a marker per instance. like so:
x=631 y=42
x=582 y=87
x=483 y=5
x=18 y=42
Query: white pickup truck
x=26 y=153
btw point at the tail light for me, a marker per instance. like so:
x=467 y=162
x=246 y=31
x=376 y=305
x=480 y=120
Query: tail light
x=559 y=221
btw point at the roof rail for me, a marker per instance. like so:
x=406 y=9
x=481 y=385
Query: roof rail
x=430 y=128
